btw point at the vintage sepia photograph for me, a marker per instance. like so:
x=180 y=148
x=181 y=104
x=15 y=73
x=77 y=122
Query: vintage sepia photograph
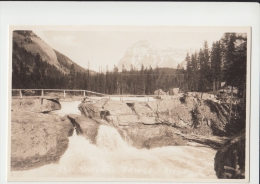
x=129 y=103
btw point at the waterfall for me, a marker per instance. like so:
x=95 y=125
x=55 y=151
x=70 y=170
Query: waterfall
x=112 y=157
x=74 y=134
x=108 y=138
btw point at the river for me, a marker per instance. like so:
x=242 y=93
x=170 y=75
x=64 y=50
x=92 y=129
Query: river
x=112 y=157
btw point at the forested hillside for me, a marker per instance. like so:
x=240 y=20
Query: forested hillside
x=224 y=62
x=30 y=71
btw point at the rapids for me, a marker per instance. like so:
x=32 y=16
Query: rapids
x=112 y=157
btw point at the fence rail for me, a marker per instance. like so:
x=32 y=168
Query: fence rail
x=61 y=90
x=85 y=92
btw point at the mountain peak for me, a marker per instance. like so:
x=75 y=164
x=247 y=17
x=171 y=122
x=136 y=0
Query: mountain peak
x=144 y=53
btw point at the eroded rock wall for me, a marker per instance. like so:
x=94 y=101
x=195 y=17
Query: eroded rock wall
x=188 y=112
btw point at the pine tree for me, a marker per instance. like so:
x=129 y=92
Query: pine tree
x=189 y=70
x=142 y=80
x=115 y=80
x=72 y=77
x=216 y=65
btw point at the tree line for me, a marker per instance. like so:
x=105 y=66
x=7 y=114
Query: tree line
x=224 y=62
x=29 y=71
x=206 y=69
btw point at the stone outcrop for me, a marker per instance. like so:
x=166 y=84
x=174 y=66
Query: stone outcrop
x=163 y=106
x=187 y=112
x=46 y=105
x=123 y=114
x=116 y=108
x=43 y=105
x=85 y=126
x=37 y=139
x=90 y=110
x=230 y=158
x=143 y=109
x=150 y=136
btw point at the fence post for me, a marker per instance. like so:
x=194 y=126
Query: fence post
x=21 y=95
x=84 y=93
x=64 y=94
x=42 y=93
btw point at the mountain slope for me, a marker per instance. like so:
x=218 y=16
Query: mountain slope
x=32 y=43
x=66 y=62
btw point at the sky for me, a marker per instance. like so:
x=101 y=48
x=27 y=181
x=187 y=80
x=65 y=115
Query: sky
x=105 y=46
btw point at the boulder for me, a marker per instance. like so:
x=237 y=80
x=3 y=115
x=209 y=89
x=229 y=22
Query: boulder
x=150 y=136
x=36 y=105
x=90 y=110
x=112 y=108
x=230 y=158
x=37 y=139
x=85 y=126
x=45 y=105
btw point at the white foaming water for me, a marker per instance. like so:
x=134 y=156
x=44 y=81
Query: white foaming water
x=68 y=108
x=112 y=157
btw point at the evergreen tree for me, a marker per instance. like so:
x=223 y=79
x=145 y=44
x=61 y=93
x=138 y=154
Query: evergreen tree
x=216 y=65
x=72 y=77
x=189 y=70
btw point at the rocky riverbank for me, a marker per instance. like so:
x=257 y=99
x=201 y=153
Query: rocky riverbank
x=37 y=138
x=176 y=119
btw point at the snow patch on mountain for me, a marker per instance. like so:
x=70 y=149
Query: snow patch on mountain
x=143 y=52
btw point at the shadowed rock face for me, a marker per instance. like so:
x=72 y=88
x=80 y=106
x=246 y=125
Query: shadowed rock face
x=85 y=126
x=230 y=159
